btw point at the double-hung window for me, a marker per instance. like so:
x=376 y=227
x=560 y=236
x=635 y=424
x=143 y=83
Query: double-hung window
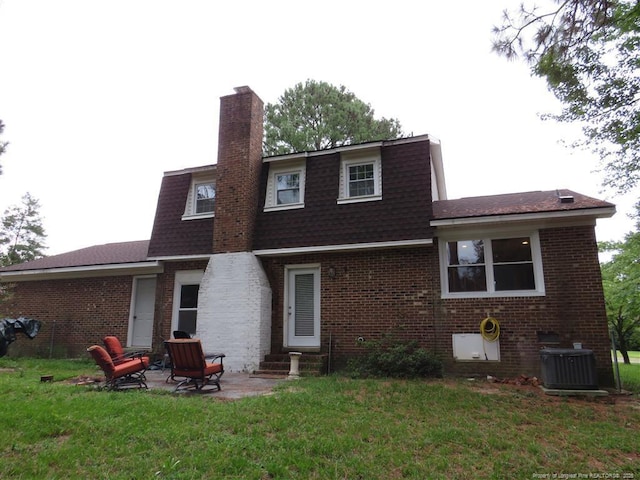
x=509 y=266
x=201 y=199
x=205 y=197
x=360 y=176
x=285 y=185
x=287 y=188
x=185 y=300
x=361 y=180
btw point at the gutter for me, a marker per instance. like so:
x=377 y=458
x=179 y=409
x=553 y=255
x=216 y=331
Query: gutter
x=273 y=252
x=591 y=213
x=110 y=270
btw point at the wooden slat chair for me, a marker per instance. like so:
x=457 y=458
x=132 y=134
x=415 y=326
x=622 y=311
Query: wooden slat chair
x=124 y=375
x=190 y=367
x=113 y=346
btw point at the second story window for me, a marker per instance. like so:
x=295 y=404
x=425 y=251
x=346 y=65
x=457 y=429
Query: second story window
x=201 y=199
x=285 y=185
x=205 y=197
x=360 y=176
x=287 y=188
x=361 y=180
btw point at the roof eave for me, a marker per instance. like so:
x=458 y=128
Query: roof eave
x=584 y=214
x=347 y=148
x=110 y=270
x=276 y=252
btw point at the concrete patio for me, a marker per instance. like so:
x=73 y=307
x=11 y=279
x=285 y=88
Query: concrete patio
x=234 y=385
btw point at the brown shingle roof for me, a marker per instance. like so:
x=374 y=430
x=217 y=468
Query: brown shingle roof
x=515 y=203
x=108 y=254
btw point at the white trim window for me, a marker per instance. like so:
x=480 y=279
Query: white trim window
x=185 y=301
x=491 y=266
x=360 y=177
x=205 y=196
x=285 y=187
x=201 y=199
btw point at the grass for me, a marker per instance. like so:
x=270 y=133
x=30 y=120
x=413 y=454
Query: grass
x=630 y=376
x=316 y=428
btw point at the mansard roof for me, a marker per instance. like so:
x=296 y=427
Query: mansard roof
x=171 y=235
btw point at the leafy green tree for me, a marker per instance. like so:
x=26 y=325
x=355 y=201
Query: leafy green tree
x=589 y=53
x=621 y=282
x=21 y=232
x=3 y=145
x=317 y=115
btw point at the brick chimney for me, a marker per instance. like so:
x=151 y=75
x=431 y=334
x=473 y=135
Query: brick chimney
x=238 y=171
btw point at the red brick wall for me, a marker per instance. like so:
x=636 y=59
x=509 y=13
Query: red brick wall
x=75 y=313
x=398 y=291
x=372 y=293
x=238 y=172
x=78 y=313
x=572 y=308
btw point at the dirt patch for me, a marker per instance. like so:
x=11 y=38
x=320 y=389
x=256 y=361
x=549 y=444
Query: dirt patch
x=531 y=387
x=85 y=380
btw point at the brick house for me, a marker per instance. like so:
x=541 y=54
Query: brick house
x=322 y=251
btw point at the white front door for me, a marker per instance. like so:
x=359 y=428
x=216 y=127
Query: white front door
x=141 y=329
x=302 y=309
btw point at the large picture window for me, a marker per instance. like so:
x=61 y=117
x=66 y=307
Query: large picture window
x=492 y=266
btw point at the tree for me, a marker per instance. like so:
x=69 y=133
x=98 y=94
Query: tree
x=3 y=145
x=621 y=282
x=21 y=233
x=316 y=115
x=589 y=53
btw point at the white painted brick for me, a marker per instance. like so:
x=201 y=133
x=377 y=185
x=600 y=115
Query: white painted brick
x=234 y=310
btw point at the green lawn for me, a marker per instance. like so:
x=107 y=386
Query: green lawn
x=315 y=428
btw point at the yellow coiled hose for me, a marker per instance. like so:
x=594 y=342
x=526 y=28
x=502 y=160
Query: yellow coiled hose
x=490 y=329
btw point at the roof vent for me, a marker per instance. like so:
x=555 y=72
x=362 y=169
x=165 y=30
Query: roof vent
x=564 y=198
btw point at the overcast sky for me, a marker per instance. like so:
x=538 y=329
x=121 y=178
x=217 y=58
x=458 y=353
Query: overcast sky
x=99 y=98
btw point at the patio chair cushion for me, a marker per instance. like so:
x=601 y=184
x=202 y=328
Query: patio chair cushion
x=114 y=348
x=210 y=369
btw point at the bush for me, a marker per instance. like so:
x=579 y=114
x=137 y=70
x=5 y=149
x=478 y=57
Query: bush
x=395 y=358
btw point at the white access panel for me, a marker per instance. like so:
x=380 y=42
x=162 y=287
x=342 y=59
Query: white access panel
x=471 y=346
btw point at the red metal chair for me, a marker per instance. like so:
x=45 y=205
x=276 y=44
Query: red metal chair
x=124 y=375
x=114 y=348
x=188 y=363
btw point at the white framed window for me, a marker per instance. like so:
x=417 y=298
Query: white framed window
x=285 y=187
x=498 y=265
x=360 y=177
x=201 y=199
x=205 y=195
x=185 y=301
